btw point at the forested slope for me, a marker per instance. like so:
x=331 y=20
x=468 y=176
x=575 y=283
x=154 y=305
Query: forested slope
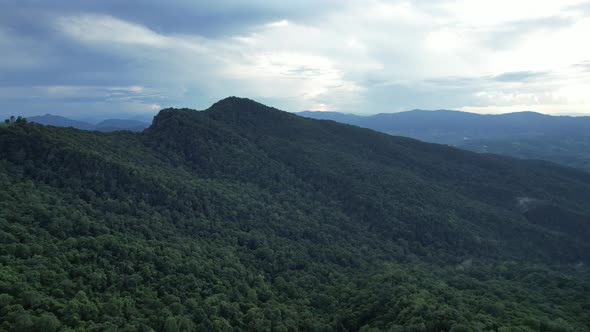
x=571 y=150
x=244 y=217
x=560 y=139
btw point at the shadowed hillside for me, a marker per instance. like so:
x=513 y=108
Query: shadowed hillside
x=561 y=139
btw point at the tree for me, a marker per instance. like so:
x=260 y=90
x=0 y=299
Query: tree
x=47 y=322
x=171 y=325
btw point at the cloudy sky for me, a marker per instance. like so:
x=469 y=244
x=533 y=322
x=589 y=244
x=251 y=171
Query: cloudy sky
x=92 y=59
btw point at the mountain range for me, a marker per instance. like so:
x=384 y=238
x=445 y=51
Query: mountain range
x=105 y=125
x=530 y=135
x=245 y=217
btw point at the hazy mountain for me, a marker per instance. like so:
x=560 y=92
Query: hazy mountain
x=119 y=124
x=245 y=217
x=60 y=121
x=105 y=125
x=452 y=127
x=561 y=139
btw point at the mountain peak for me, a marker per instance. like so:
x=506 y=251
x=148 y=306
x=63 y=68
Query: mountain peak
x=247 y=111
x=233 y=104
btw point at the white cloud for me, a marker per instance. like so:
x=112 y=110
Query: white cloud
x=278 y=24
x=106 y=29
x=66 y=93
x=355 y=57
x=110 y=33
x=260 y=66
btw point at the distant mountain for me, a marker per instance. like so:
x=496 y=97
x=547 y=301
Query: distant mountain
x=60 y=121
x=335 y=116
x=118 y=124
x=106 y=125
x=453 y=127
x=529 y=135
x=242 y=217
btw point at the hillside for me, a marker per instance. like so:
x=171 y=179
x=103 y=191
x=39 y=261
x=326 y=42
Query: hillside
x=571 y=150
x=528 y=135
x=246 y=217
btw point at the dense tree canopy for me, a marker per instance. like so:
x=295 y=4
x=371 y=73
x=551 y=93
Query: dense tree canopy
x=243 y=217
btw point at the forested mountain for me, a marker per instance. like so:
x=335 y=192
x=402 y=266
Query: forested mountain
x=105 y=125
x=571 y=150
x=529 y=135
x=244 y=217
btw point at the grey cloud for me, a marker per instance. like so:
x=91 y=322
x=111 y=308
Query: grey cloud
x=204 y=17
x=454 y=82
x=514 y=32
x=432 y=94
x=519 y=76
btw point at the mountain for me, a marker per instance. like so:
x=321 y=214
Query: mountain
x=118 y=124
x=335 y=116
x=244 y=217
x=453 y=127
x=106 y=125
x=561 y=139
x=60 y=121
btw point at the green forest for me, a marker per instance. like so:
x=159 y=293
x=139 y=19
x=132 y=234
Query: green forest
x=570 y=150
x=246 y=218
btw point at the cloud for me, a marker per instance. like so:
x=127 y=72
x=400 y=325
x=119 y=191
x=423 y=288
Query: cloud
x=354 y=56
x=106 y=29
x=583 y=66
x=20 y=53
x=519 y=76
x=278 y=24
x=245 y=64
x=142 y=98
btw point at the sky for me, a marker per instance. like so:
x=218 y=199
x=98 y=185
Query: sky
x=98 y=59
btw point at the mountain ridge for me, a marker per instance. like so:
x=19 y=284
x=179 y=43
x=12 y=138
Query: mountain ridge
x=430 y=125
x=104 y=125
